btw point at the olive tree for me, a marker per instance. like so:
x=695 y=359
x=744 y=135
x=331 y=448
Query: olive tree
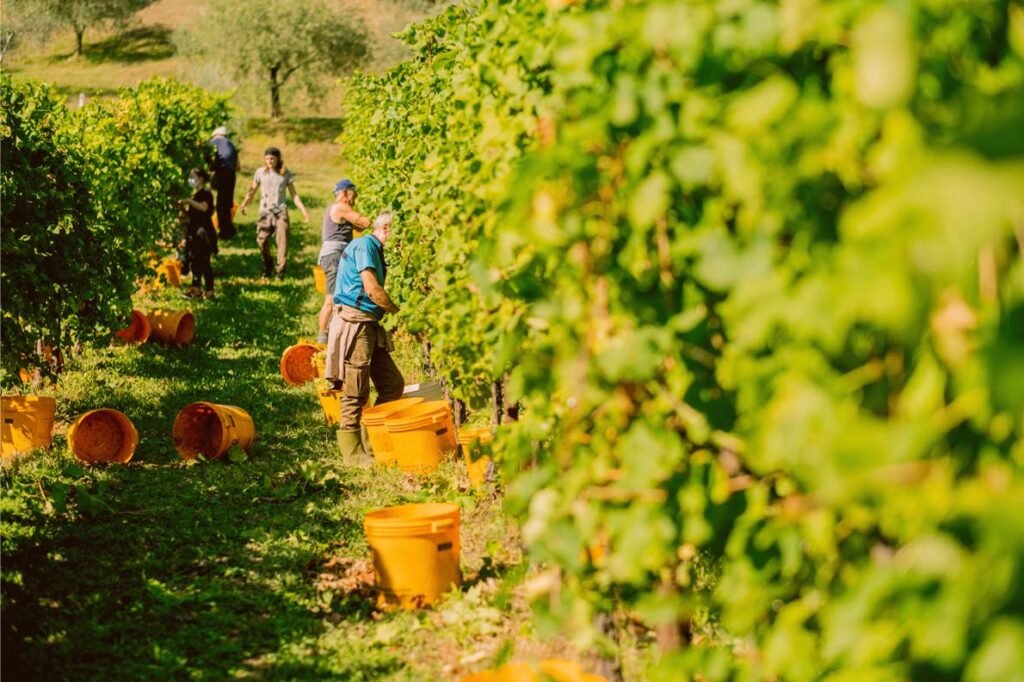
x=274 y=44
x=77 y=15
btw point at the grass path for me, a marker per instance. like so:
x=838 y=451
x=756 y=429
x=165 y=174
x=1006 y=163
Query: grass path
x=258 y=569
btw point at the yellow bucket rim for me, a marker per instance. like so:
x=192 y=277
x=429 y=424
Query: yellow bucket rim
x=28 y=403
x=467 y=436
x=425 y=414
x=375 y=416
x=422 y=518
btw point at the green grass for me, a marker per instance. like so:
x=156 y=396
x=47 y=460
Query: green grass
x=162 y=569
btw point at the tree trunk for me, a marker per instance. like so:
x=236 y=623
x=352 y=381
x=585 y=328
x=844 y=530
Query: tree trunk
x=6 y=44
x=275 y=94
x=428 y=365
x=79 y=33
x=497 y=402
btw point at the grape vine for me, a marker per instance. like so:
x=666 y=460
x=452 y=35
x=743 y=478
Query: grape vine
x=756 y=270
x=86 y=194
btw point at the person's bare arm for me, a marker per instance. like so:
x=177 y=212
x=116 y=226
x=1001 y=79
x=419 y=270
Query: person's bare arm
x=341 y=212
x=298 y=201
x=249 y=195
x=200 y=205
x=376 y=292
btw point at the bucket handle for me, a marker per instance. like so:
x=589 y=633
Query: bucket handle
x=441 y=524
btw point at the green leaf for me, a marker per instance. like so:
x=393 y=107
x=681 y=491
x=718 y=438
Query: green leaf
x=237 y=455
x=650 y=200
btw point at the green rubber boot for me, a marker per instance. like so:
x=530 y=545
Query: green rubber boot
x=367 y=445
x=351 y=447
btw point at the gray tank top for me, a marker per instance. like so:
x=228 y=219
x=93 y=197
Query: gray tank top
x=335 y=232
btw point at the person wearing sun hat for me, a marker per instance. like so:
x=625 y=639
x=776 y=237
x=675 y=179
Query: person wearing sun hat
x=274 y=182
x=335 y=234
x=225 y=169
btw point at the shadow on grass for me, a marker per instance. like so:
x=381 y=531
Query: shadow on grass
x=186 y=570
x=143 y=44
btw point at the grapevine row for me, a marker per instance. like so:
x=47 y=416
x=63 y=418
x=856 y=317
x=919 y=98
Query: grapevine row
x=86 y=194
x=755 y=271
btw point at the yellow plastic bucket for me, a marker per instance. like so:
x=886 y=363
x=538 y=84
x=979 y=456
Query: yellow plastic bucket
x=172 y=327
x=330 y=401
x=421 y=435
x=27 y=423
x=211 y=430
x=137 y=331
x=558 y=669
x=103 y=435
x=297 y=363
x=415 y=551
x=476 y=464
x=373 y=420
x=320 y=362
x=320 y=279
x=169 y=272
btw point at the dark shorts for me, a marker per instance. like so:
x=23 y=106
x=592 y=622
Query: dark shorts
x=329 y=264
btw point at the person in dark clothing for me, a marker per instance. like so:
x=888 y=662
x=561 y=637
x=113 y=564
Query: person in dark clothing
x=200 y=239
x=225 y=167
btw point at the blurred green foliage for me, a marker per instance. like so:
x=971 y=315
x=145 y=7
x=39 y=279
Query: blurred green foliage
x=756 y=270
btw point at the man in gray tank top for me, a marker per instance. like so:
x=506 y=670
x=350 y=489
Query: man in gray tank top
x=339 y=220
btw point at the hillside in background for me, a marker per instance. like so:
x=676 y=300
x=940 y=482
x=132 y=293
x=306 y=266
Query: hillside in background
x=145 y=48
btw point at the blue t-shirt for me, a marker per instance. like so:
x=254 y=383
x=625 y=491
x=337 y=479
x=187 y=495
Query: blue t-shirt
x=363 y=253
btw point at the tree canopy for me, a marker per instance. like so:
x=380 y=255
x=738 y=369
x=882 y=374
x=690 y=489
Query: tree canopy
x=277 y=46
x=78 y=15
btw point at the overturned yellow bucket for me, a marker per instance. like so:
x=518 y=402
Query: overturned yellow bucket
x=211 y=430
x=172 y=327
x=415 y=551
x=297 y=365
x=137 y=331
x=103 y=435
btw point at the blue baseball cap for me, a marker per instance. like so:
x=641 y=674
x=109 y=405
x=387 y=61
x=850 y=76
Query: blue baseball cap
x=343 y=185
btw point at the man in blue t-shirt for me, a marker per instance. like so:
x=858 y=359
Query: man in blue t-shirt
x=358 y=347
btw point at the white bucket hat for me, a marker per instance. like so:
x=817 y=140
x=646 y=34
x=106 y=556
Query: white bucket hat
x=223 y=130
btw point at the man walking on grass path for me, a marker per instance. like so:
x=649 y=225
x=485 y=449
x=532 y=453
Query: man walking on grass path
x=358 y=347
x=339 y=220
x=274 y=182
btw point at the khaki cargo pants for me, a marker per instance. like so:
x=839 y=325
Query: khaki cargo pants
x=368 y=360
x=275 y=224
